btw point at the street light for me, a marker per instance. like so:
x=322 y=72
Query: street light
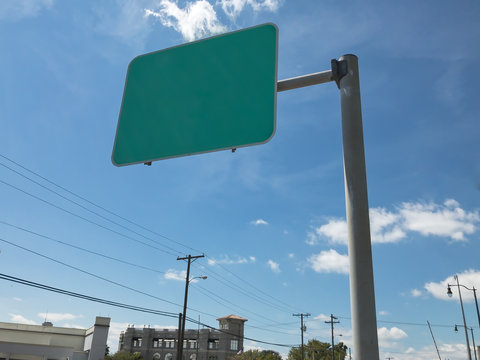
x=473 y=340
x=449 y=292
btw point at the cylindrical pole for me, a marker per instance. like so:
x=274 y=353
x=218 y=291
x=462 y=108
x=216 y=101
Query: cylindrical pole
x=333 y=343
x=182 y=334
x=474 y=346
x=464 y=322
x=476 y=304
x=179 y=338
x=301 y=330
x=362 y=294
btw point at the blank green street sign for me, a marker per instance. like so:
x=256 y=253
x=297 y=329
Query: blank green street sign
x=213 y=94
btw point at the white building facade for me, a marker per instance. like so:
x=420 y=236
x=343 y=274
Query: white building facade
x=47 y=342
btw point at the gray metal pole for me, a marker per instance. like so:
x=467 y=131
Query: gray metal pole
x=476 y=304
x=362 y=294
x=474 y=346
x=464 y=322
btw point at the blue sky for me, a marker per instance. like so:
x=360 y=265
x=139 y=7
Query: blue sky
x=270 y=218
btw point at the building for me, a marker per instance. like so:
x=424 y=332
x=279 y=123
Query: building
x=198 y=344
x=41 y=342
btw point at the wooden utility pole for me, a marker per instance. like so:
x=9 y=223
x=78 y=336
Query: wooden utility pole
x=302 y=329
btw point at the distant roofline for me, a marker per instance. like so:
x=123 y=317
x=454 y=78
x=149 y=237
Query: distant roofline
x=234 y=317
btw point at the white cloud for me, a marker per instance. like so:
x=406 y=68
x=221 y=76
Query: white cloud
x=17 y=299
x=291 y=255
x=274 y=266
x=18 y=9
x=226 y=260
x=322 y=317
x=387 y=337
x=469 y=278
x=383 y=312
x=17 y=318
x=114 y=333
x=335 y=230
x=125 y=21
x=258 y=222
x=234 y=7
x=53 y=317
x=416 y=293
x=447 y=220
x=197 y=20
x=173 y=274
x=329 y=261
x=384 y=226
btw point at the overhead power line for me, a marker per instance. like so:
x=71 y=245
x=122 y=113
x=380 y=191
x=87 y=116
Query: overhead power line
x=82 y=249
x=98 y=276
x=122 y=305
x=90 y=202
x=283 y=307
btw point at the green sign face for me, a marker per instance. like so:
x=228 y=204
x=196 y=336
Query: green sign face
x=214 y=94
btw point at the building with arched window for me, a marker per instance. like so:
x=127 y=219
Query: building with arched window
x=198 y=344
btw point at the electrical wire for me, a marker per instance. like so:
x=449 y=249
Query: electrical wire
x=92 y=203
x=245 y=293
x=214 y=298
x=404 y=323
x=85 y=219
x=82 y=249
x=126 y=306
x=99 y=277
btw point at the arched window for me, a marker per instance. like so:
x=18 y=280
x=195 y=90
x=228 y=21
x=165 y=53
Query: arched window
x=157 y=356
x=193 y=357
x=169 y=356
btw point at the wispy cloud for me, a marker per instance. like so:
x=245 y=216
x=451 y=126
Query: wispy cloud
x=322 y=317
x=258 y=222
x=17 y=318
x=226 y=260
x=469 y=278
x=416 y=293
x=177 y=275
x=447 y=220
x=233 y=8
x=383 y=312
x=329 y=261
x=114 y=333
x=126 y=21
x=17 y=9
x=274 y=266
x=58 y=316
x=198 y=19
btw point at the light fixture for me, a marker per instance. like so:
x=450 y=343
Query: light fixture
x=456 y=328
x=449 y=291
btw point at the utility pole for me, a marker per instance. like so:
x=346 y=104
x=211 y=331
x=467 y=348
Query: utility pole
x=434 y=342
x=181 y=331
x=331 y=322
x=302 y=329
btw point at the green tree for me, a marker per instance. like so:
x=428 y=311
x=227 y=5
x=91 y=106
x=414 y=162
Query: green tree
x=124 y=355
x=258 y=355
x=317 y=350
